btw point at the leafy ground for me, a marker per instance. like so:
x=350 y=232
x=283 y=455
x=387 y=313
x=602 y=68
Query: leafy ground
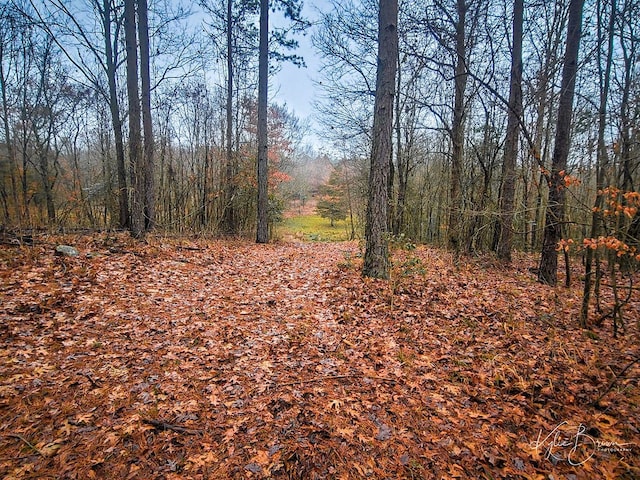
x=214 y=360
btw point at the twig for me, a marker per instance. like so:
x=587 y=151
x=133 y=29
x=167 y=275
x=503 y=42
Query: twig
x=160 y=425
x=615 y=380
x=29 y=444
x=94 y=383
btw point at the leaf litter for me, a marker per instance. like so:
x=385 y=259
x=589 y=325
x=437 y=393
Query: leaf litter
x=218 y=359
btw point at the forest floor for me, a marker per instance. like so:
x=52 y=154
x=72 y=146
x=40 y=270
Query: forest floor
x=211 y=360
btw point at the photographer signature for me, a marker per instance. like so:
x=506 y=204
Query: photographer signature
x=573 y=445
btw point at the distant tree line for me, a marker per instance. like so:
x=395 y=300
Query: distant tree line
x=119 y=114
x=510 y=118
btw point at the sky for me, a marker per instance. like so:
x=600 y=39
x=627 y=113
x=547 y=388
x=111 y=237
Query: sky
x=295 y=86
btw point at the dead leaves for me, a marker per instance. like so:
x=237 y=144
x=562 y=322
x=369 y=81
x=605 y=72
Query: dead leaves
x=227 y=360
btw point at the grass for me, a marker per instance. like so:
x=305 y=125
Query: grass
x=313 y=228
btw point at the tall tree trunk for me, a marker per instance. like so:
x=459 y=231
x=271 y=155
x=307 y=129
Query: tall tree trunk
x=628 y=48
x=262 y=231
x=402 y=162
x=457 y=133
x=147 y=120
x=548 y=272
x=601 y=159
x=136 y=160
x=229 y=223
x=376 y=257
x=511 y=142
x=116 y=122
x=9 y=142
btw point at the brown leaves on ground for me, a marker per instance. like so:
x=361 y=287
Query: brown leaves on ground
x=212 y=360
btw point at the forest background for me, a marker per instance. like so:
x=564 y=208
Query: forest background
x=66 y=120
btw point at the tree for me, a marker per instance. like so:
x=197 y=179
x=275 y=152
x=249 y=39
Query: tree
x=147 y=122
x=68 y=32
x=604 y=74
x=7 y=51
x=457 y=130
x=232 y=20
x=135 y=136
x=262 y=232
x=332 y=203
x=511 y=143
x=376 y=257
x=110 y=66
x=292 y=10
x=140 y=155
x=548 y=271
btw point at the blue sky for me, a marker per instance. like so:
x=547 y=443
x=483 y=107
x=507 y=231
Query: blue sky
x=295 y=86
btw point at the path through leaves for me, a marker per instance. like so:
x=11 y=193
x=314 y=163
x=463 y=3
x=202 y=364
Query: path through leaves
x=213 y=360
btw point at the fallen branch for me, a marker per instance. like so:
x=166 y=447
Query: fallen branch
x=29 y=444
x=160 y=425
x=615 y=380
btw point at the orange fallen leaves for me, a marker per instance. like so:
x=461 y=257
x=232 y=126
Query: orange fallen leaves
x=230 y=360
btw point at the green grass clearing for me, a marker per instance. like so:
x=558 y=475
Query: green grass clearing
x=313 y=228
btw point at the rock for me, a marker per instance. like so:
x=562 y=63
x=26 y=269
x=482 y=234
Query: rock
x=67 y=251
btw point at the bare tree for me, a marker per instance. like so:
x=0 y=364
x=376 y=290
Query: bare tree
x=457 y=130
x=7 y=29
x=110 y=66
x=147 y=122
x=604 y=71
x=63 y=24
x=513 y=132
x=548 y=272
x=136 y=160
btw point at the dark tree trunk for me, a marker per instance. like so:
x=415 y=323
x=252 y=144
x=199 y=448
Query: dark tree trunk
x=376 y=257
x=116 y=122
x=601 y=162
x=229 y=222
x=9 y=141
x=548 y=272
x=147 y=122
x=457 y=133
x=262 y=233
x=136 y=160
x=47 y=185
x=511 y=142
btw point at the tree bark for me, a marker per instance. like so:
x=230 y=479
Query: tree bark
x=116 y=122
x=457 y=133
x=262 y=231
x=9 y=141
x=136 y=160
x=601 y=161
x=147 y=119
x=548 y=272
x=376 y=257
x=229 y=223
x=514 y=115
